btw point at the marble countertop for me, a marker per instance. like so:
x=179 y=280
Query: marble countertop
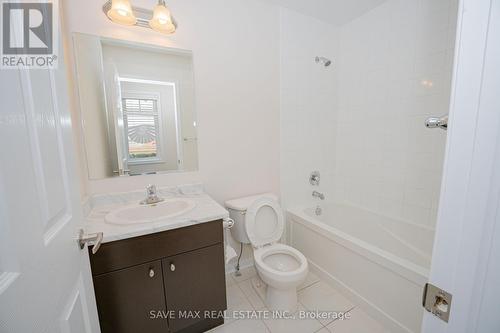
x=206 y=210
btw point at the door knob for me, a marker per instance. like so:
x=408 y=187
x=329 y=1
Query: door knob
x=172 y=267
x=96 y=239
x=151 y=272
x=437 y=122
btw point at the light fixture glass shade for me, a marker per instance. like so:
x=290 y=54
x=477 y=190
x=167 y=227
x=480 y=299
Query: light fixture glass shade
x=121 y=12
x=162 y=20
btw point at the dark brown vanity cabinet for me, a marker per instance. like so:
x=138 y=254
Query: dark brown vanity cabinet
x=162 y=282
x=126 y=296
x=196 y=270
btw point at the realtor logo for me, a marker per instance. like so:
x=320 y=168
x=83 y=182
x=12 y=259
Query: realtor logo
x=29 y=34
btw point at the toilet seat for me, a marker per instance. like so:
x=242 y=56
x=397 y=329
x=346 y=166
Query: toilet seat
x=281 y=267
x=264 y=222
x=261 y=254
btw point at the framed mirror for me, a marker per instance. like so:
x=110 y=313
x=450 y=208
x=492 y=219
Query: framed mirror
x=137 y=107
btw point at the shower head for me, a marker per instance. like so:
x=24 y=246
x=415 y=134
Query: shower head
x=325 y=61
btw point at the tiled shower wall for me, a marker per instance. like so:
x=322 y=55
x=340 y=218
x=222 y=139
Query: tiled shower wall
x=308 y=105
x=394 y=71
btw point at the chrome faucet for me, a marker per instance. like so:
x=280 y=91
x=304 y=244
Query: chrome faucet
x=316 y=194
x=151 y=196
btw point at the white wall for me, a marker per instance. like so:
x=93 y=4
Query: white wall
x=394 y=71
x=308 y=105
x=236 y=63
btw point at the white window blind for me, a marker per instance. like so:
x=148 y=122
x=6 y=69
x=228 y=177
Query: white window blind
x=142 y=128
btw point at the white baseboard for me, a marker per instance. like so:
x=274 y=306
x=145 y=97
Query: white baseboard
x=361 y=302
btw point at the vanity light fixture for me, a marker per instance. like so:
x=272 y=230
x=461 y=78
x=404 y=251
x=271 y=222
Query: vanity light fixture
x=159 y=19
x=162 y=20
x=121 y=12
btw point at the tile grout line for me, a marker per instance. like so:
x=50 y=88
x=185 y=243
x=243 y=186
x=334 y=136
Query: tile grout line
x=235 y=284
x=248 y=300
x=329 y=323
x=322 y=328
x=246 y=296
x=267 y=327
x=305 y=287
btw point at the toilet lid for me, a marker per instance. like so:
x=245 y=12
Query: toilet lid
x=264 y=222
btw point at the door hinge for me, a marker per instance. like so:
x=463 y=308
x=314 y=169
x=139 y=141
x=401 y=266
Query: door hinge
x=437 y=301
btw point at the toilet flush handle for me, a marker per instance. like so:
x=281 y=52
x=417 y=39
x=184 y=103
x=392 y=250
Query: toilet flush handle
x=228 y=223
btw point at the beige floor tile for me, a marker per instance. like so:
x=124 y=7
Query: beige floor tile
x=293 y=325
x=322 y=297
x=251 y=294
x=310 y=280
x=242 y=326
x=229 y=280
x=236 y=301
x=357 y=322
x=315 y=295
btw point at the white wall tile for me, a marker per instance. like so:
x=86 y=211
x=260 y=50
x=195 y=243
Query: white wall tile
x=308 y=104
x=365 y=119
x=401 y=160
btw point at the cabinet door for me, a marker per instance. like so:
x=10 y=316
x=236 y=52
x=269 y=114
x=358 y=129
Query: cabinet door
x=125 y=299
x=195 y=281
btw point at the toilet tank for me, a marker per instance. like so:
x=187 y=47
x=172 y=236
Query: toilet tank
x=237 y=209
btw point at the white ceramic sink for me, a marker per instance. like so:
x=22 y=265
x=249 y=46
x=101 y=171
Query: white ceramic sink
x=137 y=213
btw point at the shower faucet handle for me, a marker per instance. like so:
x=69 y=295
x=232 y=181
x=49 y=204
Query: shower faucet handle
x=314 y=178
x=323 y=60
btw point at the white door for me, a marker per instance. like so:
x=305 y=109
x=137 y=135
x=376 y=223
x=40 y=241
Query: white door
x=45 y=281
x=466 y=256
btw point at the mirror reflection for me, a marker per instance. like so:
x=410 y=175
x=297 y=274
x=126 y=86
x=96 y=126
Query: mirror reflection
x=137 y=106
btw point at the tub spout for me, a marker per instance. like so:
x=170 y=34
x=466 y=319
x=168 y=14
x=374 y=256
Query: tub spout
x=316 y=194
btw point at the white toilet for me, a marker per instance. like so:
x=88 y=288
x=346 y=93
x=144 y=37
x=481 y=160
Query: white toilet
x=259 y=220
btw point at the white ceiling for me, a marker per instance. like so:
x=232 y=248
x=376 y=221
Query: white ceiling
x=336 y=12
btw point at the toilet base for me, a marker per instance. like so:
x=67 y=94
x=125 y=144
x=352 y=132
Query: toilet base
x=281 y=300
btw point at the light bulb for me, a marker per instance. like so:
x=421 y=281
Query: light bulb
x=162 y=20
x=121 y=12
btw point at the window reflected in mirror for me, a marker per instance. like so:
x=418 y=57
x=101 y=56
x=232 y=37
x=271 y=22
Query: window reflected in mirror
x=137 y=107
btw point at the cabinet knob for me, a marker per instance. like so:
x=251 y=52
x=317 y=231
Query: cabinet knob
x=172 y=267
x=151 y=272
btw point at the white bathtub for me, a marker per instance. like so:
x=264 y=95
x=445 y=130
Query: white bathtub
x=380 y=263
